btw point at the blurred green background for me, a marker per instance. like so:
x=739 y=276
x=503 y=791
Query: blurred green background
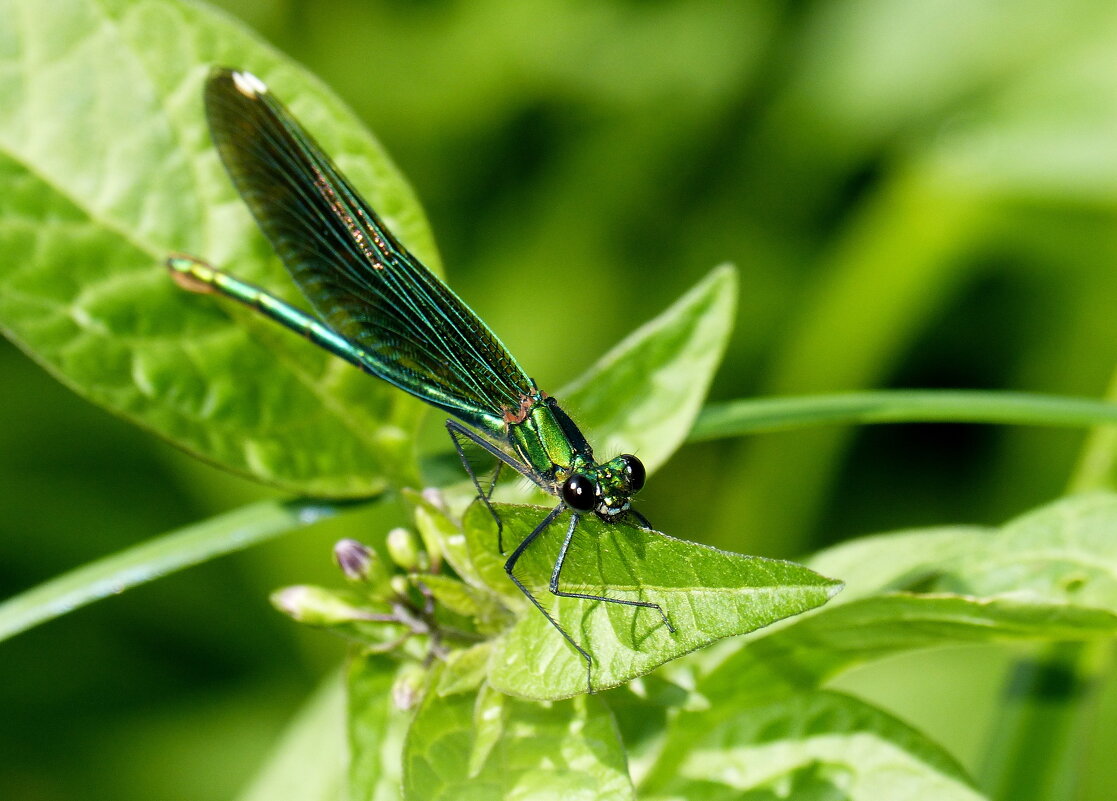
x=916 y=194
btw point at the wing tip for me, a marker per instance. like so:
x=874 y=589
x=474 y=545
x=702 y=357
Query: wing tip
x=242 y=80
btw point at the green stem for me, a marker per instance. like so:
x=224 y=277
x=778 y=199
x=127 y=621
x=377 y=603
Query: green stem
x=1039 y=735
x=1096 y=463
x=158 y=557
x=1042 y=732
x=763 y=415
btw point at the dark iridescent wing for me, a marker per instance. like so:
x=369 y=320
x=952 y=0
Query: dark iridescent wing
x=409 y=327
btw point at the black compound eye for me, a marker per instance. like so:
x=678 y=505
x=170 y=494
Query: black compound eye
x=579 y=493
x=634 y=472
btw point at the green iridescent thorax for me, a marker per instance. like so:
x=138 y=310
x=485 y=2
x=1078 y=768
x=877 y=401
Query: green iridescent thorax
x=545 y=436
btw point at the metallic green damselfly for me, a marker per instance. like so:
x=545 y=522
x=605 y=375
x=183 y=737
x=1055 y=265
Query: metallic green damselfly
x=381 y=310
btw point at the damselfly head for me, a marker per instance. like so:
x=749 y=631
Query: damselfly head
x=606 y=488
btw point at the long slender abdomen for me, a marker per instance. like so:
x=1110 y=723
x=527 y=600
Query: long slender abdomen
x=195 y=275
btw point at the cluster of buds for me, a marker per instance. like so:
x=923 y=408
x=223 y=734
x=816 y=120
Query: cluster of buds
x=388 y=605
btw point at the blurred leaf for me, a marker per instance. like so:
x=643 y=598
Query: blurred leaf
x=376 y=731
x=464 y=669
x=86 y=220
x=1008 y=112
x=443 y=535
x=707 y=594
x=1063 y=554
x=488 y=723
x=479 y=604
x=643 y=396
x=822 y=746
x=568 y=749
x=156 y=558
x=1049 y=575
x=1048 y=134
x=309 y=761
x=862 y=59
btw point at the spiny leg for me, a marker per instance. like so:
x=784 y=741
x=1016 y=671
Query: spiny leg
x=511 y=563
x=486 y=497
x=457 y=430
x=558 y=569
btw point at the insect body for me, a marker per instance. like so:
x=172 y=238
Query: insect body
x=383 y=311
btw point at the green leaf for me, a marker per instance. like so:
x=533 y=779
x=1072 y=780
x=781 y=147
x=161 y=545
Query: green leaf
x=107 y=166
x=643 y=396
x=443 y=535
x=1049 y=575
x=707 y=594
x=1062 y=555
x=376 y=731
x=479 y=604
x=488 y=725
x=568 y=749
x=309 y=761
x=813 y=746
x=464 y=669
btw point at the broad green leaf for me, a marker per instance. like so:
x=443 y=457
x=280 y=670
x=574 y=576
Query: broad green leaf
x=813 y=746
x=107 y=166
x=1062 y=554
x=309 y=761
x=376 y=730
x=568 y=749
x=488 y=726
x=707 y=594
x=643 y=396
x=1049 y=575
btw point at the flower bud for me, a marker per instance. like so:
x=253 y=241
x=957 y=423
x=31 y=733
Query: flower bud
x=404 y=549
x=315 y=606
x=407 y=690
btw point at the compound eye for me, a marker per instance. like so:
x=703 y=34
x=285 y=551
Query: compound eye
x=579 y=493
x=634 y=472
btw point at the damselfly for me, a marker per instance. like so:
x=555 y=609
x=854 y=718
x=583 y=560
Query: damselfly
x=381 y=310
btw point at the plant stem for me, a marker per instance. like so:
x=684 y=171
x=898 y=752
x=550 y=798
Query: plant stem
x=1036 y=748
x=762 y=415
x=1038 y=742
x=158 y=557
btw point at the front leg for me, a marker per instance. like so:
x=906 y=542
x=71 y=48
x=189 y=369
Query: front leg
x=554 y=587
x=511 y=564
x=486 y=497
